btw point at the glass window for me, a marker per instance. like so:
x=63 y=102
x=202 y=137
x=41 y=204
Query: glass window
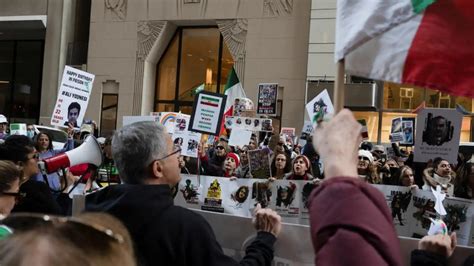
x=372 y=121
x=109 y=114
x=192 y=59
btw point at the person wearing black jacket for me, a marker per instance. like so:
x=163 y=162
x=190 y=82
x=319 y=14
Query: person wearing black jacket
x=165 y=234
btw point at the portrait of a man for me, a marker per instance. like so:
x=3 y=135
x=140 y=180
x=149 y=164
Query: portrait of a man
x=438 y=130
x=73 y=112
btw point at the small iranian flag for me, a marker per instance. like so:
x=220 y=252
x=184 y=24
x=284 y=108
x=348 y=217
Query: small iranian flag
x=426 y=43
x=209 y=101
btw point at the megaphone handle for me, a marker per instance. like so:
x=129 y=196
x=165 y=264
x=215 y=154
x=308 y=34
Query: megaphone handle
x=89 y=168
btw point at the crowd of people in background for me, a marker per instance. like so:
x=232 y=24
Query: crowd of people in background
x=24 y=189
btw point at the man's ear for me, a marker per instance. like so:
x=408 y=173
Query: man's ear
x=157 y=169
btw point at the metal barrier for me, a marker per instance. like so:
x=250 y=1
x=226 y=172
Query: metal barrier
x=294 y=244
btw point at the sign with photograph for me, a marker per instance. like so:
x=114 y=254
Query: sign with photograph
x=259 y=164
x=249 y=123
x=320 y=107
x=267 y=98
x=73 y=97
x=207 y=114
x=396 y=131
x=438 y=134
x=239 y=137
x=408 y=129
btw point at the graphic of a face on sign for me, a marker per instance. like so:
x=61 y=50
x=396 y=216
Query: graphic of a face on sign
x=73 y=97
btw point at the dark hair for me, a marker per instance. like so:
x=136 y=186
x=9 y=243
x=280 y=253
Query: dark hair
x=9 y=172
x=437 y=161
x=74 y=105
x=287 y=168
x=37 y=137
x=16 y=148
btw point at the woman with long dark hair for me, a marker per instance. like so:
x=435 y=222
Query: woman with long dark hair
x=9 y=186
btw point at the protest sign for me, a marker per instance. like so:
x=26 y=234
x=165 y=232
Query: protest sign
x=127 y=120
x=248 y=123
x=288 y=131
x=242 y=106
x=259 y=163
x=320 y=107
x=408 y=129
x=437 y=134
x=396 y=131
x=308 y=127
x=207 y=113
x=239 y=137
x=18 y=129
x=73 y=97
x=267 y=98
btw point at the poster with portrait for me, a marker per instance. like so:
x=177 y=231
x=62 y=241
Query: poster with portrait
x=73 y=97
x=261 y=194
x=305 y=191
x=408 y=129
x=320 y=107
x=241 y=106
x=189 y=192
x=181 y=122
x=438 y=132
x=237 y=197
x=396 y=130
x=208 y=110
x=267 y=98
x=188 y=142
x=259 y=164
x=248 y=123
x=420 y=210
x=287 y=199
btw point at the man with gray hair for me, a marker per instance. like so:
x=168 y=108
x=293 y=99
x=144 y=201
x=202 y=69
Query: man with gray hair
x=165 y=234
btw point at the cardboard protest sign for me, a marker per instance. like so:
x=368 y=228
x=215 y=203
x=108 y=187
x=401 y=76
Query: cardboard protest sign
x=239 y=137
x=438 y=132
x=320 y=107
x=396 y=131
x=127 y=120
x=408 y=129
x=18 y=129
x=207 y=113
x=259 y=163
x=248 y=123
x=267 y=98
x=73 y=97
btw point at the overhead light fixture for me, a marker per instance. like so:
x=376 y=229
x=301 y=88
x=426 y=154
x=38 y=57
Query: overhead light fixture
x=4 y=81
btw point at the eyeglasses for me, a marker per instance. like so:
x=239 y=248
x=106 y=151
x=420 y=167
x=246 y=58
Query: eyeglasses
x=220 y=147
x=17 y=195
x=29 y=221
x=177 y=151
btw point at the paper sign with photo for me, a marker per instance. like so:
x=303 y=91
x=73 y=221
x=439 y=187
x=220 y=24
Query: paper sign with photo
x=320 y=108
x=289 y=131
x=237 y=197
x=73 y=97
x=288 y=198
x=438 y=132
x=188 y=141
x=408 y=128
x=181 y=122
x=212 y=187
x=239 y=137
x=398 y=199
x=249 y=123
x=190 y=193
x=396 y=131
x=259 y=164
x=267 y=98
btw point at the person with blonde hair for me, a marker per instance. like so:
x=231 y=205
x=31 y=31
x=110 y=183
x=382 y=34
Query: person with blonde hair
x=89 y=239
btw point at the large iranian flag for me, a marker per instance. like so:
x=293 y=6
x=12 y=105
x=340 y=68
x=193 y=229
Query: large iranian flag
x=426 y=43
x=233 y=90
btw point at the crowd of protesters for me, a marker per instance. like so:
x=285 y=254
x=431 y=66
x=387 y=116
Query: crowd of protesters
x=155 y=231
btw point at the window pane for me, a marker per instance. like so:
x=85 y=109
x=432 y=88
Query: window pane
x=166 y=72
x=199 y=60
x=399 y=96
x=28 y=70
x=227 y=64
x=372 y=120
x=164 y=107
x=6 y=69
x=466 y=129
x=387 y=124
x=109 y=114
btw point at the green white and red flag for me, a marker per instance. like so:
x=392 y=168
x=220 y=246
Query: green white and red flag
x=426 y=43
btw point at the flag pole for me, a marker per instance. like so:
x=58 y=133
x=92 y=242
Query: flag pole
x=339 y=86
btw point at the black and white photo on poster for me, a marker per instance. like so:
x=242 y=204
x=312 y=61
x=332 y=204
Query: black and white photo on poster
x=438 y=132
x=267 y=98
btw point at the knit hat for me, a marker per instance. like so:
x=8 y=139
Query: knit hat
x=305 y=160
x=366 y=154
x=235 y=157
